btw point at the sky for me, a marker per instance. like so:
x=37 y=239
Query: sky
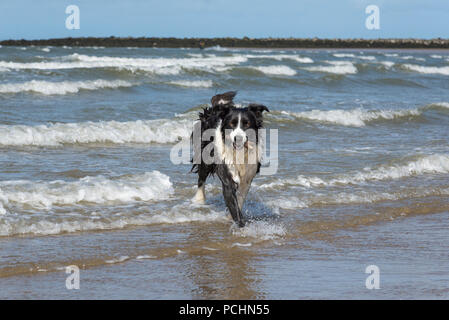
x=43 y=19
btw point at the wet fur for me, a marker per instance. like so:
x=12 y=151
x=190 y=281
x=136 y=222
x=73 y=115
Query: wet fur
x=235 y=178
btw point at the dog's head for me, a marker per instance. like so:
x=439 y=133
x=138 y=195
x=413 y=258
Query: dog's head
x=240 y=125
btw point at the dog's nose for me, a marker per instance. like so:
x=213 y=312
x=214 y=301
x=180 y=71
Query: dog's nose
x=240 y=139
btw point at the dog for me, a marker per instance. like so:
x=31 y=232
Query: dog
x=234 y=146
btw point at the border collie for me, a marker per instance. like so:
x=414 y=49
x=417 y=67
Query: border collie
x=229 y=136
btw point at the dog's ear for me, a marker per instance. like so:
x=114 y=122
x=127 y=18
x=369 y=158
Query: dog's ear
x=223 y=99
x=257 y=109
x=223 y=110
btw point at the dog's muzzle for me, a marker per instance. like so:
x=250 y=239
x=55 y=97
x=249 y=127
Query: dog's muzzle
x=240 y=141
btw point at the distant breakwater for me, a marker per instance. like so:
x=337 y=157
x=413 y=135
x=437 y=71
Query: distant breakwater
x=235 y=43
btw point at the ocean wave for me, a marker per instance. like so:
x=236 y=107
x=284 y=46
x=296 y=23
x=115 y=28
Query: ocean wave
x=359 y=197
x=140 y=131
x=63 y=87
x=278 y=70
x=439 y=104
x=355 y=117
x=427 y=70
x=335 y=67
x=164 y=66
x=193 y=83
x=280 y=57
x=437 y=163
x=412 y=58
x=351 y=55
x=95 y=190
x=12 y=225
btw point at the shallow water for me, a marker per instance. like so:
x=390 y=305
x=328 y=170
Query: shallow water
x=86 y=177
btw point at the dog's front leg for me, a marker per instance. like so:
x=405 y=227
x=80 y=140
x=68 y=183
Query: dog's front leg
x=230 y=194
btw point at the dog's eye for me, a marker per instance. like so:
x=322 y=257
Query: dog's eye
x=245 y=123
x=234 y=123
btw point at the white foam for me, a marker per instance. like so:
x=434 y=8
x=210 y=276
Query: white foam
x=344 y=55
x=210 y=249
x=355 y=117
x=165 y=66
x=193 y=83
x=260 y=230
x=337 y=198
x=140 y=131
x=278 y=70
x=437 y=163
x=442 y=104
x=238 y=244
x=436 y=56
x=427 y=70
x=10 y=225
x=351 y=55
x=387 y=64
x=280 y=57
x=117 y=260
x=391 y=54
x=369 y=58
x=2 y=209
x=63 y=87
x=89 y=190
x=45 y=49
x=336 y=67
x=412 y=57
x=145 y=256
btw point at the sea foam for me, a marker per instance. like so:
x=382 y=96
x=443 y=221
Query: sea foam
x=89 y=190
x=278 y=70
x=140 y=131
x=63 y=87
x=335 y=67
x=436 y=164
x=164 y=66
x=354 y=117
x=427 y=70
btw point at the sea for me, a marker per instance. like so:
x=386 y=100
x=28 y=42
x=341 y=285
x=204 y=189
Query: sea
x=92 y=205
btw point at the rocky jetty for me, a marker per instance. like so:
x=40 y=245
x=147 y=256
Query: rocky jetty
x=235 y=42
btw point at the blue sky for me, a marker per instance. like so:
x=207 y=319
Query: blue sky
x=31 y=19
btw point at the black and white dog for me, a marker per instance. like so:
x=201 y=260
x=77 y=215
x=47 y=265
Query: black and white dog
x=229 y=138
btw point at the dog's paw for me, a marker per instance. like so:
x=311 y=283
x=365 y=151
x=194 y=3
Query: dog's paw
x=199 y=197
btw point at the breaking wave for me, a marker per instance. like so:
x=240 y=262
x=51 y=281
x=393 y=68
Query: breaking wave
x=437 y=163
x=51 y=225
x=280 y=57
x=351 y=55
x=60 y=88
x=193 y=83
x=163 y=66
x=279 y=70
x=355 y=117
x=427 y=70
x=140 y=131
x=335 y=67
x=95 y=190
x=339 y=198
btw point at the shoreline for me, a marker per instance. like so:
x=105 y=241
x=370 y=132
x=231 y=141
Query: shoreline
x=264 y=43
